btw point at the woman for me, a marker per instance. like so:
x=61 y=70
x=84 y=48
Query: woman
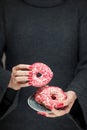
x=53 y=32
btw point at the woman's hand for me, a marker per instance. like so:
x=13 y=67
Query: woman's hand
x=19 y=77
x=67 y=105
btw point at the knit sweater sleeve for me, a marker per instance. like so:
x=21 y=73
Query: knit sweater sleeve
x=7 y=100
x=79 y=83
x=4 y=74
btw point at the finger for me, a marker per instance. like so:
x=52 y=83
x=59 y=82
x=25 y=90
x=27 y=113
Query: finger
x=24 y=85
x=46 y=114
x=42 y=113
x=21 y=66
x=67 y=101
x=59 y=113
x=21 y=73
x=55 y=113
x=67 y=109
x=71 y=97
x=52 y=115
x=21 y=79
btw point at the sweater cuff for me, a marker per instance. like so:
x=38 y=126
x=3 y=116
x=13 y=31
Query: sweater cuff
x=10 y=95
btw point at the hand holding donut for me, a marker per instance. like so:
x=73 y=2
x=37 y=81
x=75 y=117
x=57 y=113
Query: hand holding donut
x=50 y=97
x=37 y=75
x=19 y=77
x=67 y=105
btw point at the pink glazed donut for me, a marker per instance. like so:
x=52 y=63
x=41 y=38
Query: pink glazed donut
x=50 y=97
x=41 y=74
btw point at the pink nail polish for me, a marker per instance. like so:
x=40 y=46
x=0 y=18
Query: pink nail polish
x=60 y=105
x=38 y=113
x=49 y=107
x=30 y=67
x=43 y=114
x=30 y=78
x=30 y=83
x=30 y=72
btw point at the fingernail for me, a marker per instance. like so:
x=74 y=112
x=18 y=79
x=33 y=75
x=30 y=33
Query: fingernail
x=50 y=107
x=30 y=72
x=30 y=78
x=60 y=105
x=38 y=113
x=30 y=83
x=30 y=67
x=43 y=114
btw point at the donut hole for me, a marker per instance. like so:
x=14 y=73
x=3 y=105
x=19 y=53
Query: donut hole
x=39 y=75
x=53 y=96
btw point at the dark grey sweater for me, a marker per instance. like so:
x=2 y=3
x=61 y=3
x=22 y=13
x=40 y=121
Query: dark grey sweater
x=53 y=32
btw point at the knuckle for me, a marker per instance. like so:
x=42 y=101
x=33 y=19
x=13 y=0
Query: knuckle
x=14 y=73
x=13 y=69
x=16 y=79
x=19 y=65
x=67 y=111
